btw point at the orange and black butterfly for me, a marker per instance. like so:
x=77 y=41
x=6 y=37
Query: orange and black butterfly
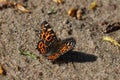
x=50 y=46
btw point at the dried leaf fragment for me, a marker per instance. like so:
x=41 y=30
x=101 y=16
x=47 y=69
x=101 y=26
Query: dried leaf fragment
x=3 y=3
x=1 y=70
x=93 y=5
x=72 y=12
x=22 y=8
x=75 y=12
x=12 y=3
x=112 y=27
x=113 y=41
x=58 y=1
x=79 y=14
x=3 y=0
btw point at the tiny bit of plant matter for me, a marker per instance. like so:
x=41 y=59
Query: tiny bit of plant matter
x=112 y=27
x=3 y=3
x=79 y=14
x=21 y=8
x=113 y=41
x=1 y=70
x=52 y=11
x=58 y=1
x=18 y=6
x=27 y=53
x=93 y=5
x=74 y=12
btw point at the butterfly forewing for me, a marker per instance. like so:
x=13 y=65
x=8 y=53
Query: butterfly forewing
x=47 y=38
x=47 y=34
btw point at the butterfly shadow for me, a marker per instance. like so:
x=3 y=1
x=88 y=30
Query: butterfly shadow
x=74 y=56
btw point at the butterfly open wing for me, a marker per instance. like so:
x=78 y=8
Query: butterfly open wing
x=50 y=46
x=65 y=46
x=47 y=38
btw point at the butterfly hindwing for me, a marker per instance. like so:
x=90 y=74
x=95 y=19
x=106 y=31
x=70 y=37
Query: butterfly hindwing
x=42 y=47
x=65 y=46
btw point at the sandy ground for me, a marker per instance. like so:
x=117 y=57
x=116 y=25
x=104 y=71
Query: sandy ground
x=91 y=59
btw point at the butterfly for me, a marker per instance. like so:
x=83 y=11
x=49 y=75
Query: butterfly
x=50 y=46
